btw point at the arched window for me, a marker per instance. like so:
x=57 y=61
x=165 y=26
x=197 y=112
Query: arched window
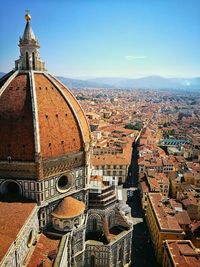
x=13 y=188
x=56 y=222
x=94 y=224
x=33 y=60
x=110 y=221
x=92 y=261
x=120 y=255
x=30 y=239
x=27 y=61
x=120 y=180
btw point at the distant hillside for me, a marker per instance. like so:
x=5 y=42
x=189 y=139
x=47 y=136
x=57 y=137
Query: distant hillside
x=152 y=82
x=112 y=81
x=193 y=83
x=82 y=83
x=148 y=82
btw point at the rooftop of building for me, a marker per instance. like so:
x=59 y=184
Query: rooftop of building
x=13 y=218
x=123 y=158
x=44 y=252
x=69 y=207
x=183 y=218
x=182 y=253
x=161 y=178
x=164 y=215
x=144 y=187
x=190 y=200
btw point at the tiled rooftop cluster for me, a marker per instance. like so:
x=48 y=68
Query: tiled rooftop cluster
x=181 y=253
x=169 y=170
x=169 y=214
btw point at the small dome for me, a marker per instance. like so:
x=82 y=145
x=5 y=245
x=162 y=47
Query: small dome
x=69 y=207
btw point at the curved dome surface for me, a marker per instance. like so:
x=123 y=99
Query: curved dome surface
x=39 y=116
x=69 y=207
x=40 y=119
x=16 y=131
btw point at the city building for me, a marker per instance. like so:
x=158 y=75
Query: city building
x=192 y=205
x=113 y=166
x=113 y=152
x=176 y=179
x=144 y=190
x=109 y=232
x=153 y=182
x=162 y=222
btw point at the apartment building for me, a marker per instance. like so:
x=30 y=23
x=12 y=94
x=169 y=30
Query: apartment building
x=162 y=223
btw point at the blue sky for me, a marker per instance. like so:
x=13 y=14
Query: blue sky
x=116 y=38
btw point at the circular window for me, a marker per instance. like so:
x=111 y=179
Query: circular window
x=11 y=187
x=64 y=183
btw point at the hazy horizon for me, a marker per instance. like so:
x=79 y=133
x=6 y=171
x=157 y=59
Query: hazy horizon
x=83 y=77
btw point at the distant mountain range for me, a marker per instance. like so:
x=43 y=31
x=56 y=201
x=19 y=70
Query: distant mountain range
x=148 y=82
x=151 y=82
x=71 y=83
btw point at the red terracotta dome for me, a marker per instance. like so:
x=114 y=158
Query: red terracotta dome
x=39 y=116
x=69 y=207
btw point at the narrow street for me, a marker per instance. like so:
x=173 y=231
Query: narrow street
x=142 y=250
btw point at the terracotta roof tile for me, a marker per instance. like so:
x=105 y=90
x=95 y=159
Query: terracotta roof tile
x=165 y=220
x=16 y=120
x=183 y=253
x=69 y=207
x=59 y=130
x=12 y=219
x=45 y=247
x=183 y=217
x=79 y=111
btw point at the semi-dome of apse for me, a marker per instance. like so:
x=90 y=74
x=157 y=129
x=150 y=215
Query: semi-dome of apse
x=40 y=118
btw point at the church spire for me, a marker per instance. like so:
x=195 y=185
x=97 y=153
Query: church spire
x=28 y=32
x=29 y=46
